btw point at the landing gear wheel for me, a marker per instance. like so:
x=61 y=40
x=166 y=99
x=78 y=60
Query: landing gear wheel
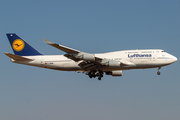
x=99 y=78
x=159 y=71
x=101 y=75
x=90 y=76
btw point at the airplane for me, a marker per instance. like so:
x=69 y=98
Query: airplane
x=93 y=65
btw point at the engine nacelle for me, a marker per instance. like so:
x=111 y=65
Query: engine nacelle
x=115 y=73
x=88 y=57
x=113 y=63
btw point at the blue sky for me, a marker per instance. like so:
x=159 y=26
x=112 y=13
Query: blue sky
x=94 y=26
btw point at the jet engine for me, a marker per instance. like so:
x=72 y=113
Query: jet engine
x=113 y=63
x=88 y=57
x=114 y=73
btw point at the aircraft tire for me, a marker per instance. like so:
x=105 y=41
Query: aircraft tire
x=158 y=72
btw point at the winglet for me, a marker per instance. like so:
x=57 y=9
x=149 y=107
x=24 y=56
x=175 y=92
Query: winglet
x=47 y=42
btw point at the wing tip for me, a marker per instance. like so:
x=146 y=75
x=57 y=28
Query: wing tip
x=47 y=41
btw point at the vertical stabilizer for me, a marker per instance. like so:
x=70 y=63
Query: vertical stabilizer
x=20 y=47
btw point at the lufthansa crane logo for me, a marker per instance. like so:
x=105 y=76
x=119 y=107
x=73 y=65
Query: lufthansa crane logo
x=18 y=45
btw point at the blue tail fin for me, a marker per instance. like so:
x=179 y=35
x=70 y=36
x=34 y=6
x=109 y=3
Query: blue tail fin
x=20 y=47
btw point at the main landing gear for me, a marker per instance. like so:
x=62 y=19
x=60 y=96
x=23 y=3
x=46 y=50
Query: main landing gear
x=159 y=71
x=94 y=74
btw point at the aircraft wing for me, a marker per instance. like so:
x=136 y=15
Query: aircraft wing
x=90 y=61
x=17 y=57
x=73 y=54
x=61 y=47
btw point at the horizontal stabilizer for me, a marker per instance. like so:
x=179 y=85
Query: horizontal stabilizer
x=18 y=58
x=61 y=47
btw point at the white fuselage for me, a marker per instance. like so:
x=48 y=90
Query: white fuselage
x=142 y=59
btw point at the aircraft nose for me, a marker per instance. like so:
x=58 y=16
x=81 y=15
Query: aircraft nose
x=174 y=59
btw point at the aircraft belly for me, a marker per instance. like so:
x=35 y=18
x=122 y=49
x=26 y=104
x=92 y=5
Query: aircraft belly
x=67 y=66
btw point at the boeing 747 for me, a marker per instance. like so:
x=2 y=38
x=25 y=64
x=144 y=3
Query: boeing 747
x=94 y=65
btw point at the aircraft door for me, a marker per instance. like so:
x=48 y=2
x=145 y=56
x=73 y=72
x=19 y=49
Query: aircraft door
x=42 y=63
x=131 y=59
x=154 y=56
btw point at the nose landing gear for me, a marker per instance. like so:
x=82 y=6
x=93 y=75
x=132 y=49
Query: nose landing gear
x=159 y=71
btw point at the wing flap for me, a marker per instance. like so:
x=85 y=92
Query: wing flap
x=87 y=65
x=18 y=58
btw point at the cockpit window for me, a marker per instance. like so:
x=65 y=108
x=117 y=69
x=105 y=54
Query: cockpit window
x=163 y=51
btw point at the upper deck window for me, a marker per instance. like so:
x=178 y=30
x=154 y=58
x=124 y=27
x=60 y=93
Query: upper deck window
x=146 y=52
